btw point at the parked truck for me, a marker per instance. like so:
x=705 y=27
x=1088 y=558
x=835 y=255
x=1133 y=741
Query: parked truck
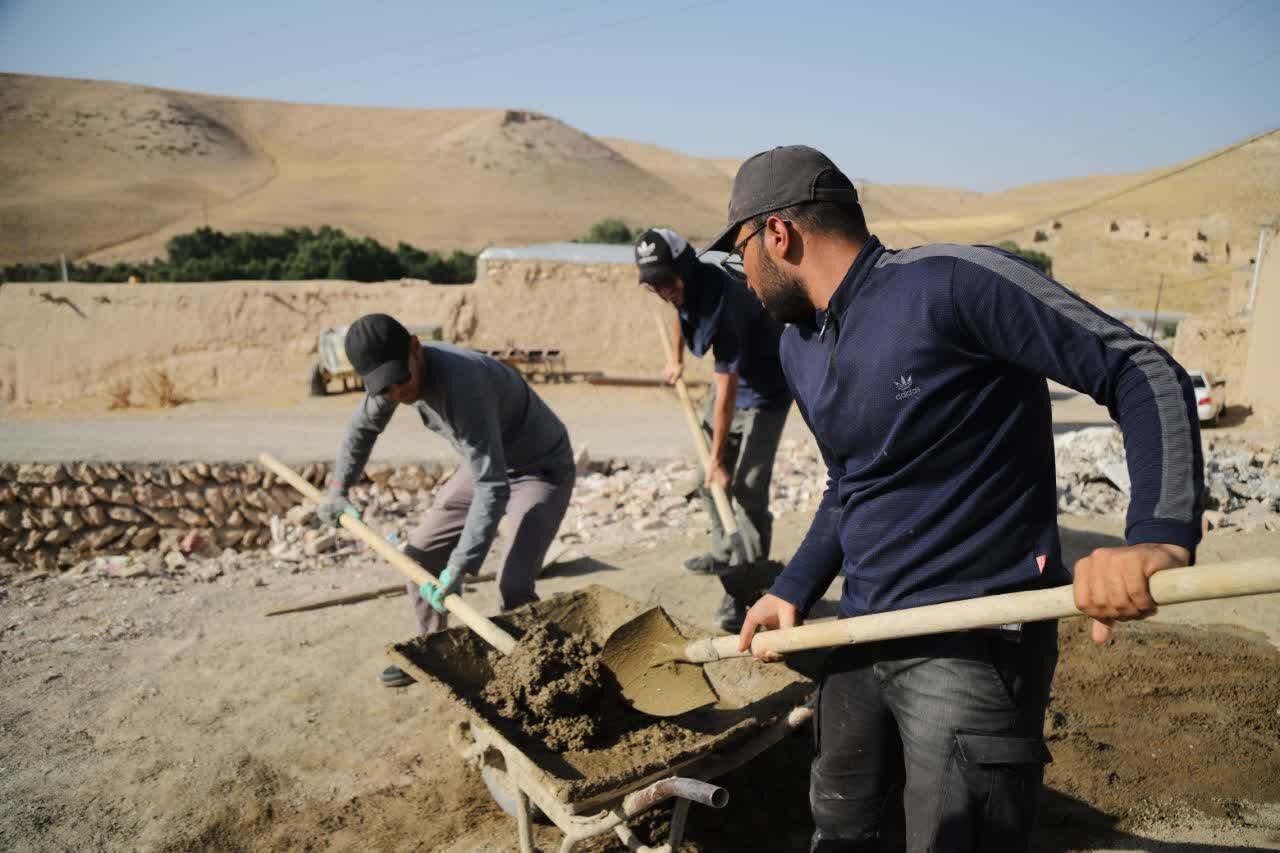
x=331 y=363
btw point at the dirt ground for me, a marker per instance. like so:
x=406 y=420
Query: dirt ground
x=163 y=714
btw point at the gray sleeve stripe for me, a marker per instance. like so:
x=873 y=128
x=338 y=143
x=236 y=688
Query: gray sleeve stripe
x=1176 y=500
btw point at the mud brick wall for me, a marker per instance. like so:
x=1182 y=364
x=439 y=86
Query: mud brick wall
x=55 y=515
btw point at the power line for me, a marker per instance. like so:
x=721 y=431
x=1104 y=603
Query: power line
x=897 y=217
x=1148 y=120
x=1166 y=54
x=1176 y=171
x=1211 y=277
x=1186 y=167
x=418 y=43
x=483 y=54
x=258 y=39
x=1159 y=58
x=1163 y=56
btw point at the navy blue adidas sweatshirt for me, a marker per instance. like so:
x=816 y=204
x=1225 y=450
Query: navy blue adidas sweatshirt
x=924 y=384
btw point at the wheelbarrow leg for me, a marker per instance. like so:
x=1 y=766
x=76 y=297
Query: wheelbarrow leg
x=679 y=812
x=524 y=826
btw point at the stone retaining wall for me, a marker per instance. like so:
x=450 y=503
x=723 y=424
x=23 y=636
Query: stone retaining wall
x=54 y=515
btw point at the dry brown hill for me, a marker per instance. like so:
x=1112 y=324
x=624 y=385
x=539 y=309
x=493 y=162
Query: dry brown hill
x=708 y=181
x=110 y=171
x=89 y=164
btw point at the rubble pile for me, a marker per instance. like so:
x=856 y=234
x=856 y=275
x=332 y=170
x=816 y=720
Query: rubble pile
x=188 y=518
x=615 y=504
x=1087 y=460
x=1242 y=484
x=638 y=504
x=1241 y=478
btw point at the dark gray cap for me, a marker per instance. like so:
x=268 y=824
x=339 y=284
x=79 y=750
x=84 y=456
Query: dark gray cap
x=778 y=178
x=377 y=346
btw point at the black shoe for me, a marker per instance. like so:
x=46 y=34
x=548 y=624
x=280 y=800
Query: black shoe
x=703 y=564
x=733 y=624
x=730 y=615
x=394 y=676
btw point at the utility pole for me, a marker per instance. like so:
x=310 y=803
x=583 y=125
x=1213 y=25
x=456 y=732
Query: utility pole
x=1257 y=265
x=1155 y=320
x=62 y=259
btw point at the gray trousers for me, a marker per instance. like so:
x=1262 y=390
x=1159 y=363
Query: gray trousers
x=534 y=511
x=953 y=723
x=748 y=455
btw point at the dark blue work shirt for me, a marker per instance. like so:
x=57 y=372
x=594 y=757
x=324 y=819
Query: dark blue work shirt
x=924 y=384
x=721 y=315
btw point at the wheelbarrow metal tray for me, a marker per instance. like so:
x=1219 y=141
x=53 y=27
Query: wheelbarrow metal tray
x=753 y=696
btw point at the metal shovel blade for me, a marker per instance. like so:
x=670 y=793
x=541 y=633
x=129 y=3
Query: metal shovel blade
x=643 y=655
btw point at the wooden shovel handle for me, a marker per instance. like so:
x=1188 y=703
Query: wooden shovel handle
x=472 y=618
x=723 y=508
x=1172 y=586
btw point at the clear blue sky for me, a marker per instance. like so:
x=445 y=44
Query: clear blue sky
x=983 y=95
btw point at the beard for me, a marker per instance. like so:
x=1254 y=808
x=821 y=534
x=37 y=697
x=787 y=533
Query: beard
x=783 y=295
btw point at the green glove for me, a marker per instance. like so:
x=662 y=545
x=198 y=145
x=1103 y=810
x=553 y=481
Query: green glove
x=334 y=506
x=435 y=594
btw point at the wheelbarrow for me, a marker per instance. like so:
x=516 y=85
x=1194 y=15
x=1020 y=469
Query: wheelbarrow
x=591 y=792
x=588 y=792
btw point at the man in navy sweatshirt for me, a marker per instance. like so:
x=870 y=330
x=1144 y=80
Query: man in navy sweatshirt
x=744 y=418
x=922 y=375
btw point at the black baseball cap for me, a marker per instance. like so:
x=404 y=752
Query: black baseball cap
x=657 y=251
x=378 y=348
x=778 y=178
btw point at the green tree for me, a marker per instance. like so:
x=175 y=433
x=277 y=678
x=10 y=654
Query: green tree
x=294 y=253
x=609 y=231
x=1039 y=260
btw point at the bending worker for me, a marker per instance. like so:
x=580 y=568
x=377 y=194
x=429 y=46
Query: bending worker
x=744 y=417
x=517 y=461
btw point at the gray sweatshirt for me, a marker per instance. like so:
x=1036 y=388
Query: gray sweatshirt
x=490 y=415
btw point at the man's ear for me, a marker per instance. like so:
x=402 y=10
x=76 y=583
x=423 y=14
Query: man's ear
x=779 y=235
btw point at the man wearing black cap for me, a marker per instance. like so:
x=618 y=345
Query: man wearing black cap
x=518 y=461
x=744 y=417
x=922 y=374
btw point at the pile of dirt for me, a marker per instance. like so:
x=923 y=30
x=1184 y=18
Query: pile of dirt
x=1163 y=720
x=1164 y=716
x=552 y=686
x=254 y=806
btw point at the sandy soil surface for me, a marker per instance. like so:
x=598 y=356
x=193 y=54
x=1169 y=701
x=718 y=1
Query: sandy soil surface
x=162 y=714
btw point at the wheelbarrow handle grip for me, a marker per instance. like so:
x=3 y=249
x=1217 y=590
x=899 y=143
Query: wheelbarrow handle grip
x=1173 y=586
x=472 y=618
